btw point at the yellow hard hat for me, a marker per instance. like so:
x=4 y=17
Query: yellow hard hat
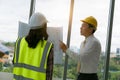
x=91 y=20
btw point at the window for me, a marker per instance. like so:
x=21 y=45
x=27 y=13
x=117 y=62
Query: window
x=11 y=12
x=114 y=66
x=98 y=9
x=57 y=14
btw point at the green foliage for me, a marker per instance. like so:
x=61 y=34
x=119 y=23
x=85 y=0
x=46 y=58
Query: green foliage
x=1 y=66
x=8 y=69
x=114 y=69
x=72 y=65
x=114 y=75
x=57 y=70
x=9 y=43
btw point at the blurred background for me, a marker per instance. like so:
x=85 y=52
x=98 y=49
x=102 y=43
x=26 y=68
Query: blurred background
x=57 y=13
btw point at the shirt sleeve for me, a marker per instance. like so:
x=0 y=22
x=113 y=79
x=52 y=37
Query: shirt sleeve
x=73 y=55
x=50 y=62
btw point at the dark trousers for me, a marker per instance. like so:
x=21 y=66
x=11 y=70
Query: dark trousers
x=85 y=76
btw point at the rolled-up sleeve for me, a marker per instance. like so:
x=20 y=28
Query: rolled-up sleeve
x=72 y=54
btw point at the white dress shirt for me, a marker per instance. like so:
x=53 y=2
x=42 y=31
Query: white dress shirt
x=89 y=55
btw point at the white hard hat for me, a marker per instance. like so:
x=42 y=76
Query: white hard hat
x=36 y=20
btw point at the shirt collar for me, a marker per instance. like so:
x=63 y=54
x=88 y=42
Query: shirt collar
x=86 y=39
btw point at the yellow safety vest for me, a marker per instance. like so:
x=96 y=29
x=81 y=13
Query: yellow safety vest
x=29 y=63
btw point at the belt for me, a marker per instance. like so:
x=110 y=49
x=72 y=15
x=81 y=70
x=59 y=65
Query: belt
x=87 y=73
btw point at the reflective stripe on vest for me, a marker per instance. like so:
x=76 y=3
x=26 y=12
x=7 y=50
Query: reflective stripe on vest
x=21 y=78
x=30 y=67
x=17 y=50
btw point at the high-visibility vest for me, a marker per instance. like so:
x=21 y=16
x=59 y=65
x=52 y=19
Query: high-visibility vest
x=29 y=63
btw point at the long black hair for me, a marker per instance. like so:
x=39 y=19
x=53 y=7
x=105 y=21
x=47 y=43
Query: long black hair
x=35 y=35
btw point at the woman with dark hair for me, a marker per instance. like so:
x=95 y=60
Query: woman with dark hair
x=33 y=58
x=35 y=35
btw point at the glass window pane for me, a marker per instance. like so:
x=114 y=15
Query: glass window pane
x=11 y=12
x=100 y=10
x=114 y=66
x=57 y=14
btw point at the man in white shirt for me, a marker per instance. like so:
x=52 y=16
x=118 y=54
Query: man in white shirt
x=90 y=50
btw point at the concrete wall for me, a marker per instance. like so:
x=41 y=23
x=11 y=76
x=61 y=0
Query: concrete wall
x=9 y=76
x=6 y=76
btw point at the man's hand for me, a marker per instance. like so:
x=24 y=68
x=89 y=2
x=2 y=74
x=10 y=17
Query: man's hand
x=63 y=46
